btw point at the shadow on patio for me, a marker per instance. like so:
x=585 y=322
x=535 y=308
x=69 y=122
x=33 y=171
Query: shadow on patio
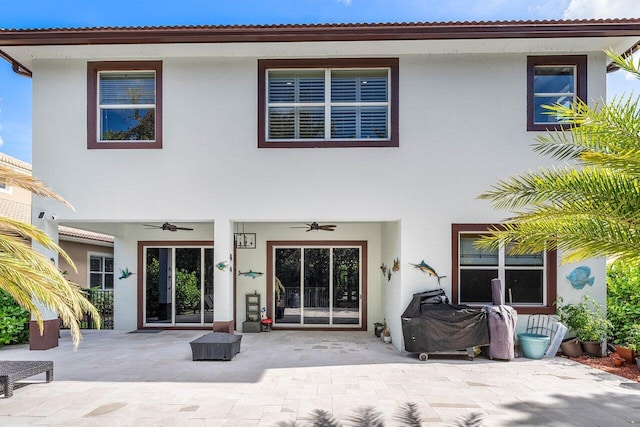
x=117 y=378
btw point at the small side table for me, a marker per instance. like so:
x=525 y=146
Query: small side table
x=216 y=346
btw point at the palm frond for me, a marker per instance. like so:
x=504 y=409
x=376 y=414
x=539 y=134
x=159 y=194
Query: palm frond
x=322 y=418
x=409 y=415
x=33 y=185
x=625 y=63
x=31 y=279
x=367 y=416
x=565 y=185
x=471 y=420
x=610 y=129
x=9 y=226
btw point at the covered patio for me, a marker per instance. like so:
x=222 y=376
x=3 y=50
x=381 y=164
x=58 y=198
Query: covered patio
x=140 y=379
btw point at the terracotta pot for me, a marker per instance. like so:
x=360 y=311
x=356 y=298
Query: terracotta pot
x=594 y=348
x=571 y=347
x=618 y=362
x=626 y=353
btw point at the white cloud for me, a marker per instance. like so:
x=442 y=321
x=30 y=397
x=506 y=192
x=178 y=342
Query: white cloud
x=1 y=141
x=586 y=9
x=345 y=2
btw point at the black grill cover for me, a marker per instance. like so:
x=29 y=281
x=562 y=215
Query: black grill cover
x=429 y=327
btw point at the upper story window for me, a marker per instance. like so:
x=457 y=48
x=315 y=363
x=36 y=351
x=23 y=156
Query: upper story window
x=4 y=186
x=328 y=103
x=124 y=104
x=528 y=281
x=553 y=80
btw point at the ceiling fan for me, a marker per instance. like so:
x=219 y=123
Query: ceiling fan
x=314 y=226
x=167 y=227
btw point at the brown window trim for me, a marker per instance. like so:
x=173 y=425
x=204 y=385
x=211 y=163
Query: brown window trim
x=363 y=244
x=266 y=64
x=92 y=102
x=551 y=271
x=579 y=61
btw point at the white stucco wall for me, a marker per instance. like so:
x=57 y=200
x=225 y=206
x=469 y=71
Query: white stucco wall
x=462 y=127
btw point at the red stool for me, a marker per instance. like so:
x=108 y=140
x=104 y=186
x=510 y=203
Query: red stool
x=265 y=325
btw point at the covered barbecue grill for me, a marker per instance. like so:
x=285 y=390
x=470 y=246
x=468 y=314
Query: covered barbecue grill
x=430 y=324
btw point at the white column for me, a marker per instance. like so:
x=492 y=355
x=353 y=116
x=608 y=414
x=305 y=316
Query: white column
x=49 y=226
x=49 y=336
x=222 y=280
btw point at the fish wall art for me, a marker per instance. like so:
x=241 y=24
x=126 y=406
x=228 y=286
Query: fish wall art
x=579 y=277
x=222 y=265
x=426 y=268
x=250 y=273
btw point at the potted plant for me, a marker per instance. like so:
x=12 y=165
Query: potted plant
x=634 y=341
x=385 y=334
x=568 y=315
x=625 y=338
x=587 y=320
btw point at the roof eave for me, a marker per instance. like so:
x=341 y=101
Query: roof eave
x=161 y=35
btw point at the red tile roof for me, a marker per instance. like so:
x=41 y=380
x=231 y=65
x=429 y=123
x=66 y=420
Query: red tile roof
x=83 y=234
x=15 y=163
x=16 y=210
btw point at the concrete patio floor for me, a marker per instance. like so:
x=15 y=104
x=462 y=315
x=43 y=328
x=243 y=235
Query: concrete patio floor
x=148 y=379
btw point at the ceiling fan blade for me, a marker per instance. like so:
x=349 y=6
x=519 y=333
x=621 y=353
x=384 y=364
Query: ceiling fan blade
x=166 y=226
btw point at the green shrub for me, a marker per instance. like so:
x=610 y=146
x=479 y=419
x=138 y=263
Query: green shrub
x=623 y=300
x=633 y=339
x=586 y=319
x=14 y=321
x=187 y=291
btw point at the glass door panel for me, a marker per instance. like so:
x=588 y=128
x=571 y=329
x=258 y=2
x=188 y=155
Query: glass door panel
x=287 y=271
x=188 y=285
x=178 y=286
x=346 y=286
x=315 y=298
x=208 y=285
x=317 y=286
x=158 y=286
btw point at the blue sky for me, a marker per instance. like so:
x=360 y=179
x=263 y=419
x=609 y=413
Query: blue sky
x=15 y=91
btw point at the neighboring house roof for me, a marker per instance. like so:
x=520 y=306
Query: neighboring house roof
x=11 y=208
x=16 y=210
x=68 y=233
x=320 y=32
x=19 y=165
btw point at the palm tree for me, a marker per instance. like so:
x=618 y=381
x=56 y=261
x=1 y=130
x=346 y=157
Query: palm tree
x=589 y=205
x=29 y=276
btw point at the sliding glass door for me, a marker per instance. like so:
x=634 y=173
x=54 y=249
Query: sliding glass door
x=317 y=286
x=178 y=286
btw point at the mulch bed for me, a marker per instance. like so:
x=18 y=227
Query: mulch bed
x=628 y=370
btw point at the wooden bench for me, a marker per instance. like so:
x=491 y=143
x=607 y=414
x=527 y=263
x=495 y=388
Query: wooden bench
x=15 y=370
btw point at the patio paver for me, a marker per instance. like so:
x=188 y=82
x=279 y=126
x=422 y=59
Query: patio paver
x=116 y=378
